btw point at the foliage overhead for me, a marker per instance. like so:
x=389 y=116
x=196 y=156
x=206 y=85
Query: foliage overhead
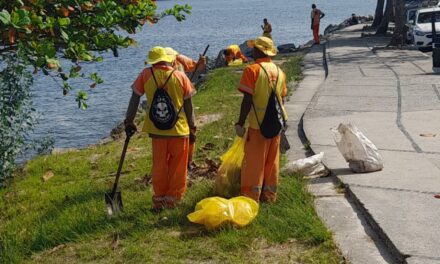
x=42 y=32
x=17 y=113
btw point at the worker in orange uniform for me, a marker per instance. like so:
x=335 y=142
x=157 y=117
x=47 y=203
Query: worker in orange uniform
x=170 y=146
x=260 y=168
x=316 y=16
x=233 y=53
x=267 y=29
x=187 y=65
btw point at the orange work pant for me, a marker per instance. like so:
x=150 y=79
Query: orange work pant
x=170 y=157
x=260 y=168
x=316 y=33
x=191 y=153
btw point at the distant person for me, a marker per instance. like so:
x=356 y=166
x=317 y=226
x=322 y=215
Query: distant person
x=233 y=55
x=183 y=63
x=170 y=129
x=260 y=169
x=267 y=29
x=316 y=16
x=353 y=20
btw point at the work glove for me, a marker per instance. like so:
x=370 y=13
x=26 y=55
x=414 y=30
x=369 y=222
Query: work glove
x=202 y=59
x=239 y=130
x=192 y=135
x=130 y=128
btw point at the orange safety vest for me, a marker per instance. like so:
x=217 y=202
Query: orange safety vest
x=263 y=90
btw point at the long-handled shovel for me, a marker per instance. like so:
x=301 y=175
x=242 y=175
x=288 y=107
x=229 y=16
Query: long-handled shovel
x=197 y=64
x=113 y=199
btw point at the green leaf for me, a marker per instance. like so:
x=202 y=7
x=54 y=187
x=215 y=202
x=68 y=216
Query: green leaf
x=81 y=97
x=63 y=22
x=96 y=78
x=64 y=35
x=5 y=17
x=85 y=57
x=23 y=16
x=73 y=73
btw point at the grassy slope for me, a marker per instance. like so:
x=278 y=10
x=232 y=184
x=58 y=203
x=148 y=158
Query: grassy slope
x=64 y=218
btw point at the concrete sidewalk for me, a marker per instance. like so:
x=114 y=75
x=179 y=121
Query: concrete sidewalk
x=392 y=97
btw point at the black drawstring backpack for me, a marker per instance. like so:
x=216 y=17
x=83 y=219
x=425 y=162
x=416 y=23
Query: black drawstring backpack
x=163 y=113
x=273 y=121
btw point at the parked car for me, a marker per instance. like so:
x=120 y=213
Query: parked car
x=422 y=28
x=410 y=18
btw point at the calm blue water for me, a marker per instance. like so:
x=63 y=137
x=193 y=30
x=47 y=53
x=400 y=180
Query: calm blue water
x=215 y=22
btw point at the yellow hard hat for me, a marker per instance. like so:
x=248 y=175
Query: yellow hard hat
x=264 y=44
x=158 y=54
x=171 y=52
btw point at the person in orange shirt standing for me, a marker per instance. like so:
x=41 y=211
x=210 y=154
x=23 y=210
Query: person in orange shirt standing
x=185 y=64
x=233 y=53
x=316 y=16
x=170 y=129
x=260 y=168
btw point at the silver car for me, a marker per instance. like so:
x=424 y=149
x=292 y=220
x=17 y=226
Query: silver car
x=422 y=28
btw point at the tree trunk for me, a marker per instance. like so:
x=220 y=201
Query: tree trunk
x=399 y=36
x=379 y=13
x=383 y=27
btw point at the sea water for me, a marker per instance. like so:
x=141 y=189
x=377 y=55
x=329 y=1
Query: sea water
x=218 y=23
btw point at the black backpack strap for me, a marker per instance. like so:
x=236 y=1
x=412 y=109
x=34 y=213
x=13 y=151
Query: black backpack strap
x=154 y=78
x=256 y=116
x=268 y=77
x=274 y=89
x=253 y=106
x=157 y=85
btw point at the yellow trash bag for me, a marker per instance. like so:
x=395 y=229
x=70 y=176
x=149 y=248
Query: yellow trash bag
x=236 y=62
x=214 y=211
x=227 y=181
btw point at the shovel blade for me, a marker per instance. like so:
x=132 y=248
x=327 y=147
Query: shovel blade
x=114 y=203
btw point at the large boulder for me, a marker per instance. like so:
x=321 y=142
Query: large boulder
x=220 y=60
x=246 y=50
x=287 y=48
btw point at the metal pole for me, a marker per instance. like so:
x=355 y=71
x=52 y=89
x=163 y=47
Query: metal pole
x=435 y=46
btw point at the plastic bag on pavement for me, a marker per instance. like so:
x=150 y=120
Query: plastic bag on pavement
x=215 y=211
x=227 y=181
x=311 y=166
x=360 y=153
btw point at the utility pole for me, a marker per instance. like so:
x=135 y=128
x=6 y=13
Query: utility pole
x=435 y=46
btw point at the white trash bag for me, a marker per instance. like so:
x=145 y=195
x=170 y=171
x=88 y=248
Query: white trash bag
x=360 y=153
x=311 y=166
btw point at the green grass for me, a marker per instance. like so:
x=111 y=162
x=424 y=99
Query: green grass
x=64 y=219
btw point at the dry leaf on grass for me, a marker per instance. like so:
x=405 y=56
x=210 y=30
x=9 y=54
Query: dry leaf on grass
x=132 y=149
x=115 y=241
x=56 y=248
x=48 y=175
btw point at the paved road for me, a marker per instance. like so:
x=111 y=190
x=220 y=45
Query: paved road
x=393 y=98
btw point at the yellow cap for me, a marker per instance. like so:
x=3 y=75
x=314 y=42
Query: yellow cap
x=264 y=44
x=171 y=52
x=158 y=54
